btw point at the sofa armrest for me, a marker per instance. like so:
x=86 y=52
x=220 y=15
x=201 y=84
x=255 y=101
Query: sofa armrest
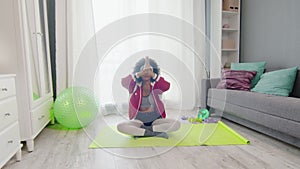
x=205 y=85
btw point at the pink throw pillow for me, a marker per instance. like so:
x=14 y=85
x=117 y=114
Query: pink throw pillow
x=236 y=79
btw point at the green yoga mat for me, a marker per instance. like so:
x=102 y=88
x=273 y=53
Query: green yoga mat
x=205 y=134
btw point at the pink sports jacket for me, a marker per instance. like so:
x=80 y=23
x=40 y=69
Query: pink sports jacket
x=135 y=90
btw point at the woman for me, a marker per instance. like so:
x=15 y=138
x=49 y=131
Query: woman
x=146 y=110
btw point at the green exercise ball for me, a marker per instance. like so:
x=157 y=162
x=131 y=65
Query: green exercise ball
x=75 y=107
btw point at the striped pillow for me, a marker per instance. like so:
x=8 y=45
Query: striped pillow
x=236 y=79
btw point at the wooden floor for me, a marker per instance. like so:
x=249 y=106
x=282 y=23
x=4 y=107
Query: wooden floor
x=60 y=149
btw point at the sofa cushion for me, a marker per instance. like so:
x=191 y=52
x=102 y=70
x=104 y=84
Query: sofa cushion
x=284 y=107
x=296 y=89
x=259 y=67
x=279 y=82
x=283 y=129
x=236 y=79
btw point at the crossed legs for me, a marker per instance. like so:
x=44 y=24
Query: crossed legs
x=132 y=127
x=135 y=127
x=165 y=125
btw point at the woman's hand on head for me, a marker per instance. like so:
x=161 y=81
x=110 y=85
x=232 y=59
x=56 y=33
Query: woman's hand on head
x=147 y=63
x=140 y=74
x=146 y=72
x=148 y=69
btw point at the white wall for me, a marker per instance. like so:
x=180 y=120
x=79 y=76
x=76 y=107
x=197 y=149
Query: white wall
x=8 y=48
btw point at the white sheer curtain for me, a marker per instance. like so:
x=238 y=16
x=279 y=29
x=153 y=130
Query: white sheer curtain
x=80 y=21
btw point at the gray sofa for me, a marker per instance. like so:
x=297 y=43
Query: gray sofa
x=276 y=116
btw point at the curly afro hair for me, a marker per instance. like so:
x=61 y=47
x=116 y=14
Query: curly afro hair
x=141 y=63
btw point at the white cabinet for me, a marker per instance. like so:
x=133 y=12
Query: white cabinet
x=34 y=83
x=225 y=34
x=26 y=53
x=9 y=125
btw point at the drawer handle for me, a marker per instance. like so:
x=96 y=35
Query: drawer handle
x=38 y=33
x=4 y=89
x=7 y=114
x=10 y=141
x=42 y=117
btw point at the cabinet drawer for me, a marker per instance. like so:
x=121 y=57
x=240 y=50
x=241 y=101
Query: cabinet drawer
x=40 y=117
x=7 y=87
x=9 y=140
x=8 y=112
